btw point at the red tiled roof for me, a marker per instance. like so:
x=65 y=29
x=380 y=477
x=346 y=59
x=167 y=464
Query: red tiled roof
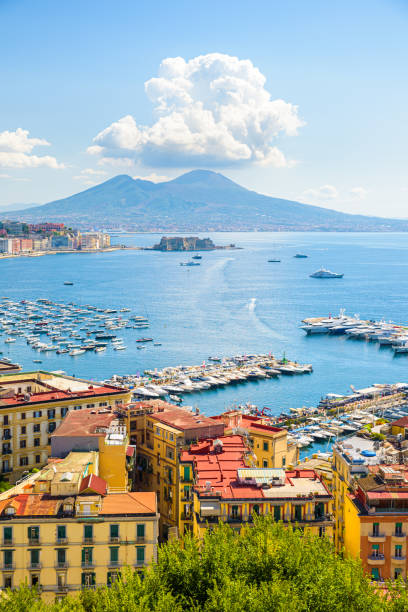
x=94 y=484
x=83 y=423
x=403 y=422
x=58 y=395
x=237 y=419
x=129 y=503
x=32 y=504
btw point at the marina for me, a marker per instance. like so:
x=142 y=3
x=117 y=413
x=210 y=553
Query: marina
x=178 y=380
x=385 y=333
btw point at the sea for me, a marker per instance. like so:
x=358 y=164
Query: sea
x=235 y=302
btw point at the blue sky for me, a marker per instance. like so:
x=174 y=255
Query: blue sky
x=72 y=71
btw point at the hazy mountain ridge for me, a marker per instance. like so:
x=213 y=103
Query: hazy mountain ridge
x=199 y=200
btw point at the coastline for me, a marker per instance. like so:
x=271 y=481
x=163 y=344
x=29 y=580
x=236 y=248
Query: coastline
x=68 y=252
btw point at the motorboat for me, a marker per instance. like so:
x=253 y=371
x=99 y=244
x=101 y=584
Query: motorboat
x=300 y=256
x=323 y=273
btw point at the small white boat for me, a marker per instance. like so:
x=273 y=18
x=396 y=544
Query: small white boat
x=99 y=349
x=77 y=352
x=9 y=340
x=323 y=273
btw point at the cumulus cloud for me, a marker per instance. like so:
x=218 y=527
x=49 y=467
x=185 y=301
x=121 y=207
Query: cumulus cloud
x=358 y=193
x=153 y=177
x=325 y=192
x=211 y=110
x=16 y=151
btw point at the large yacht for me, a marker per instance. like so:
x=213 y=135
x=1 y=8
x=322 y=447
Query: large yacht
x=323 y=273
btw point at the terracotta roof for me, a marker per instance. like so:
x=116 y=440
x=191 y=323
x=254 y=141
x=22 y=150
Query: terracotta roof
x=83 y=423
x=236 y=418
x=129 y=503
x=32 y=504
x=403 y=422
x=94 y=484
x=182 y=419
x=57 y=395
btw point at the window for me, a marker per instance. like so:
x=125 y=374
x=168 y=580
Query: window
x=140 y=532
x=397 y=573
x=322 y=531
x=8 y=582
x=38 y=458
x=88 y=533
x=234 y=512
x=61 y=532
x=186 y=475
x=277 y=513
x=23 y=430
x=170 y=475
x=265 y=463
x=319 y=510
x=376 y=529
x=7 y=434
x=114 y=533
x=5 y=466
x=375 y=574
x=283 y=461
x=23 y=461
x=23 y=415
x=375 y=550
x=51 y=427
x=77 y=407
x=169 y=453
x=266 y=446
x=158 y=431
x=7 y=535
x=255 y=509
x=36 y=428
x=61 y=557
x=86 y=556
x=103 y=403
x=114 y=555
x=64 y=411
x=33 y=534
x=35 y=579
x=88 y=579
x=398 y=551
x=8 y=559
x=37 y=414
x=37 y=441
x=398 y=529
x=51 y=414
x=5 y=420
x=111 y=577
x=90 y=405
x=298 y=513
x=23 y=443
x=35 y=557
x=171 y=437
x=140 y=555
x=6 y=449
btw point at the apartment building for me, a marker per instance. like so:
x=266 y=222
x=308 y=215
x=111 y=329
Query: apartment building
x=32 y=405
x=219 y=482
x=160 y=430
x=376 y=521
x=269 y=443
x=62 y=529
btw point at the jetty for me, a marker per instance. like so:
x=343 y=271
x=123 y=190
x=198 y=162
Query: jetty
x=217 y=372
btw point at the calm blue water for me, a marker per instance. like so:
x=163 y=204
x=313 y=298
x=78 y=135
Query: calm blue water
x=235 y=302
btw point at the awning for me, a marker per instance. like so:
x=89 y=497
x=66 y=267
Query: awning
x=209 y=508
x=130 y=451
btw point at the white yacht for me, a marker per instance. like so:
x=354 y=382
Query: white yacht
x=323 y=273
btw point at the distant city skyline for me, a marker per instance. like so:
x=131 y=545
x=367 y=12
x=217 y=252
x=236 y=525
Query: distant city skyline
x=304 y=101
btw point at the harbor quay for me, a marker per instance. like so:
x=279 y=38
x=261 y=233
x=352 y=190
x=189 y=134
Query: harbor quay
x=100 y=477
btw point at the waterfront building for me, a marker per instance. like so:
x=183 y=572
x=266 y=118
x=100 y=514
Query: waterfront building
x=221 y=482
x=351 y=460
x=32 y=405
x=269 y=443
x=400 y=427
x=61 y=242
x=26 y=245
x=160 y=431
x=376 y=521
x=6 y=367
x=62 y=530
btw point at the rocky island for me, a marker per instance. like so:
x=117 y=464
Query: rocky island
x=190 y=243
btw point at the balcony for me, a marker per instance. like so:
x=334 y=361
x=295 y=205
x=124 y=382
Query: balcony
x=377 y=538
x=62 y=540
x=398 y=559
x=34 y=541
x=400 y=535
x=34 y=566
x=6 y=567
x=88 y=540
x=376 y=559
x=140 y=563
x=114 y=540
x=61 y=565
x=114 y=564
x=8 y=542
x=88 y=563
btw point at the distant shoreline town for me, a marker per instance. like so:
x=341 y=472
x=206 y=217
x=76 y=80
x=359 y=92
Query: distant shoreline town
x=23 y=239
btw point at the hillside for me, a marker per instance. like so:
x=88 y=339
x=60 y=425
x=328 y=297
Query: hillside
x=199 y=200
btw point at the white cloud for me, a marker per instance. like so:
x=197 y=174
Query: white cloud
x=325 y=192
x=154 y=178
x=211 y=110
x=358 y=193
x=16 y=151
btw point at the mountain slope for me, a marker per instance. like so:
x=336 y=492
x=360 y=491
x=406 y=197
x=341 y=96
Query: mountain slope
x=198 y=200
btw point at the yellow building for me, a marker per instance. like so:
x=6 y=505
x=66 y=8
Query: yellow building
x=160 y=430
x=269 y=443
x=33 y=404
x=223 y=486
x=62 y=530
x=400 y=427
